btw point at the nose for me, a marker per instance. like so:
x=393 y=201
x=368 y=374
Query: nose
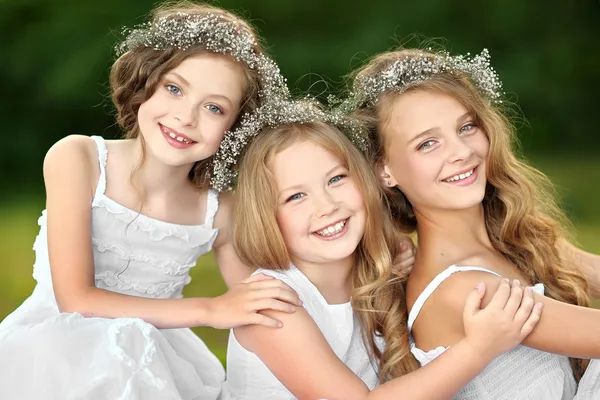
x=459 y=150
x=187 y=114
x=325 y=204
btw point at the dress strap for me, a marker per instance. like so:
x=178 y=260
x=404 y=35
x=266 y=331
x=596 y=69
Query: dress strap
x=437 y=281
x=212 y=206
x=102 y=155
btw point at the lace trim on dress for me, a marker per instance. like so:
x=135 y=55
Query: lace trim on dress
x=169 y=267
x=111 y=279
x=192 y=235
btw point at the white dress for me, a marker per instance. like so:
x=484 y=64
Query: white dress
x=45 y=354
x=523 y=373
x=249 y=379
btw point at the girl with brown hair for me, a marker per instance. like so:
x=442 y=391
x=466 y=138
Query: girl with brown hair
x=127 y=219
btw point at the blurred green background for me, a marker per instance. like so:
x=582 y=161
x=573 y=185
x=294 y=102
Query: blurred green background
x=55 y=56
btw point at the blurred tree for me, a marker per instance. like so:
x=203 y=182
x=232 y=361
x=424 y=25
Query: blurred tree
x=55 y=57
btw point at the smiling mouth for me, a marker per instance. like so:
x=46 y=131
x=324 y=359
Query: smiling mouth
x=332 y=229
x=460 y=177
x=176 y=135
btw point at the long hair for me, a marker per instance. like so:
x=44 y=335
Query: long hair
x=378 y=296
x=522 y=218
x=135 y=76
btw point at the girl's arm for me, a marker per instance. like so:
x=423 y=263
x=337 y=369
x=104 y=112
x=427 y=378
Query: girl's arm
x=563 y=329
x=232 y=268
x=588 y=262
x=300 y=346
x=70 y=175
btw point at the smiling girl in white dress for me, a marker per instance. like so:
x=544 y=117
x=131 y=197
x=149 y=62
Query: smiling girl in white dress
x=442 y=145
x=127 y=219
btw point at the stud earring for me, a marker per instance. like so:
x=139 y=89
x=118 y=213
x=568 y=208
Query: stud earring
x=389 y=183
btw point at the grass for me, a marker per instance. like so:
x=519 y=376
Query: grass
x=19 y=228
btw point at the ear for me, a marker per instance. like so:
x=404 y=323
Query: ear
x=386 y=177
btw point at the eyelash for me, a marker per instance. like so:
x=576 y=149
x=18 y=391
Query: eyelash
x=341 y=176
x=219 y=110
x=470 y=125
x=298 y=196
x=176 y=91
x=169 y=87
x=422 y=145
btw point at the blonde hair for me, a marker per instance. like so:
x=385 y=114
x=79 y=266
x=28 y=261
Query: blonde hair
x=378 y=297
x=522 y=218
x=135 y=75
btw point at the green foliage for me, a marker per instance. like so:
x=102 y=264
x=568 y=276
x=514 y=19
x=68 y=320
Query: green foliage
x=56 y=55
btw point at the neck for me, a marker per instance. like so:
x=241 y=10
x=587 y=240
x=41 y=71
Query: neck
x=332 y=279
x=447 y=236
x=154 y=177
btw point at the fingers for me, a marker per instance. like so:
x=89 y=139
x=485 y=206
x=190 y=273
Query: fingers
x=257 y=278
x=405 y=260
x=501 y=296
x=279 y=293
x=515 y=298
x=404 y=268
x=259 y=319
x=272 y=304
x=473 y=302
x=532 y=321
x=526 y=307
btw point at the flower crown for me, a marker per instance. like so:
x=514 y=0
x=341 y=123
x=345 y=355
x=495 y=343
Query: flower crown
x=182 y=30
x=414 y=69
x=276 y=112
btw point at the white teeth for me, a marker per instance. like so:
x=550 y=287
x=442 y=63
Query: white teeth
x=332 y=229
x=178 y=138
x=460 y=176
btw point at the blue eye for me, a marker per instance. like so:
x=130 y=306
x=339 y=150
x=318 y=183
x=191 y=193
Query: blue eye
x=337 y=178
x=426 y=145
x=173 y=89
x=214 y=109
x=467 y=127
x=296 y=196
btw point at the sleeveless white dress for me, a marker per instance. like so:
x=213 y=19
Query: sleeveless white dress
x=45 y=354
x=249 y=379
x=523 y=373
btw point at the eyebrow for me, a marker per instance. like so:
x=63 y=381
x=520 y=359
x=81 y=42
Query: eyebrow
x=181 y=78
x=430 y=130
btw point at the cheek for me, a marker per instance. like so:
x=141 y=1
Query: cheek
x=289 y=223
x=481 y=145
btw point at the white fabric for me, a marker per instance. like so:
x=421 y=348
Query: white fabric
x=520 y=374
x=249 y=379
x=45 y=354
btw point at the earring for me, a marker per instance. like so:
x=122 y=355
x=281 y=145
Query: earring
x=389 y=183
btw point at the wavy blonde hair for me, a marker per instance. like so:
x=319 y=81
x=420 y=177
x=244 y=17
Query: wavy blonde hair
x=135 y=76
x=378 y=296
x=522 y=218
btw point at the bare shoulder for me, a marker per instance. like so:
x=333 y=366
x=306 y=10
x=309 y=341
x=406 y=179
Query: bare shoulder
x=74 y=151
x=453 y=291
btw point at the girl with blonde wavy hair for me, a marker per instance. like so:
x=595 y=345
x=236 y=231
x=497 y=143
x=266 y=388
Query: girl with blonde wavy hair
x=308 y=210
x=442 y=144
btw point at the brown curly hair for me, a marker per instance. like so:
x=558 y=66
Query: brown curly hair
x=522 y=218
x=135 y=75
